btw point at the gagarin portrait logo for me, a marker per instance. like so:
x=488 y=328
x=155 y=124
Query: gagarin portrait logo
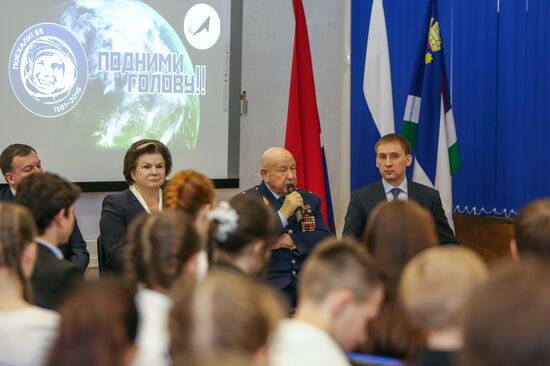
x=48 y=70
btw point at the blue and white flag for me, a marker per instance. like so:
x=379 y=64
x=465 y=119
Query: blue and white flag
x=377 y=78
x=428 y=122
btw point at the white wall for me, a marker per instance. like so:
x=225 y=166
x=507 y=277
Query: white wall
x=268 y=30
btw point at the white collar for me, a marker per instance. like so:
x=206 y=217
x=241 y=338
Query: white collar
x=388 y=187
x=273 y=193
x=141 y=200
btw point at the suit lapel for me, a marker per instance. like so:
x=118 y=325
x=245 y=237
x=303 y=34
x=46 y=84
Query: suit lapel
x=378 y=193
x=134 y=206
x=412 y=192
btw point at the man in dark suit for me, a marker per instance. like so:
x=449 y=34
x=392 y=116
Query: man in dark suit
x=393 y=156
x=50 y=199
x=18 y=161
x=301 y=222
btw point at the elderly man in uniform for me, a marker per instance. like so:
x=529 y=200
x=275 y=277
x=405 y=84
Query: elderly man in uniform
x=299 y=213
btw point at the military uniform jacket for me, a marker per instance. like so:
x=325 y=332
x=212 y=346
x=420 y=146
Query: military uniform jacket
x=285 y=265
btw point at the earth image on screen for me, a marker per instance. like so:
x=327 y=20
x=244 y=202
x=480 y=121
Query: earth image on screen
x=119 y=116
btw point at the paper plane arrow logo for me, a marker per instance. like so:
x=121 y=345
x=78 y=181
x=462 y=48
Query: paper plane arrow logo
x=204 y=26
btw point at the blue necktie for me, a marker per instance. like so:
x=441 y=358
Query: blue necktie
x=395 y=193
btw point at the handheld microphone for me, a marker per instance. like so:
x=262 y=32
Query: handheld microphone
x=298 y=212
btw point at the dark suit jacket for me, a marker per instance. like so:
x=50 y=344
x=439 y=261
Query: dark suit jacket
x=285 y=265
x=52 y=279
x=74 y=250
x=117 y=212
x=365 y=198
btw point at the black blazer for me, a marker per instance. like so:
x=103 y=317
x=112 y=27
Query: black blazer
x=367 y=197
x=52 y=279
x=74 y=250
x=284 y=264
x=117 y=212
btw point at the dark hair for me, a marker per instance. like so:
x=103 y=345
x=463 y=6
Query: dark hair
x=10 y=152
x=507 y=320
x=396 y=231
x=532 y=229
x=394 y=137
x=189 y=190
x=45 y=194
x=337 y=264
x=255 y=222
x=98 y=324
x=142 y=147
x=17 y=231
x=158 y=246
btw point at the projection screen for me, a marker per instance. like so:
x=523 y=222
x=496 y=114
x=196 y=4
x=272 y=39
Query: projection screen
x=83 y=79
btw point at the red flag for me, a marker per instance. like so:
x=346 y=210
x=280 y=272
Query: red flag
x=303 y=130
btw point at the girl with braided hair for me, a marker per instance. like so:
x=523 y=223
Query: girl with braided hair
x=193 y=193
x=162 y=251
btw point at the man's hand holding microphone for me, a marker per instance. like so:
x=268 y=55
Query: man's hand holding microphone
x=293 y=203
x=292 y=206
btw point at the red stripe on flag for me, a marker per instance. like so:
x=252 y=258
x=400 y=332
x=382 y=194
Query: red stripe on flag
x=303 y=130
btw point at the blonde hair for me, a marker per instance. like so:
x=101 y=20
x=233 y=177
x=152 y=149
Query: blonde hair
x=436 y=284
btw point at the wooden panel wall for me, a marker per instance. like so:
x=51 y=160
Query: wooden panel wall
x=488 y=236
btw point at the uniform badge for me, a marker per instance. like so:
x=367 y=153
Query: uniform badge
x=308 y=223
x=266 y=202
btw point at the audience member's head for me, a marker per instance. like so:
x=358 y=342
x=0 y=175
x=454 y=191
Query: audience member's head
x=50 y=199
x=339 y=287
x=396 y=231
x=189 y=191
x=144 y=156
x=98 y=327
x=160 y=248
x=243 y=230
x=507 y=320
x=193 y=193
x=226 y=313
x=17 y=247
x=434 y=288
x=18 y=161
x=532 y=231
